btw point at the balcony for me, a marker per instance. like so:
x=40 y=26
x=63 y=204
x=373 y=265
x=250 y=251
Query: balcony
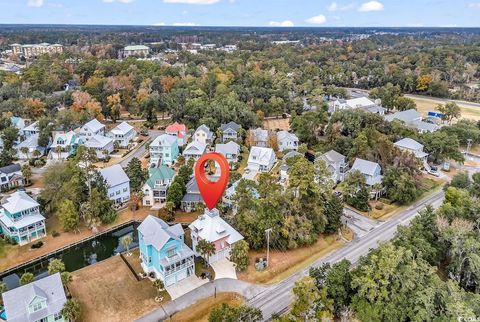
x=169 y=272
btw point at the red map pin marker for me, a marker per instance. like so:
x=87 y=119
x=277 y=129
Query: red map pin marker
x=211 y=191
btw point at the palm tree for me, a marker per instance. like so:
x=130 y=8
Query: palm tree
x=206 y=249
x=58 y=150
x=36 y=154
x=26 y=173
x=126 y=241
x=71 y=310
x=159 y=286
x=26 y=151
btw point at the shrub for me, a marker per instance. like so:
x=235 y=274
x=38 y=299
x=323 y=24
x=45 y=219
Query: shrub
x=37 y=245
x=379 y=206
x=55 y=233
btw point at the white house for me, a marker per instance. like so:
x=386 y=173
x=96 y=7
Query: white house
x=64 y=145
x=39 y=301
x=118 y=184
x=31 y=143
x=194 y=150
x=230 y=151
x=287 y=141
x=413 y=119
x=155 y=188
x=357 y=103
x=259 y=137
x=261 y=159
x=336 y=164
x=92 y=128
x=30 y=130
x=412 y=146
x=11 y=176
x=123 y=134
x=371 y=171
x=102 y=145
x=212 y=228
x=229 y=131
x=204 y=135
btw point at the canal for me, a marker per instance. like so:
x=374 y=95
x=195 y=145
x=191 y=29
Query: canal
x=85 y=253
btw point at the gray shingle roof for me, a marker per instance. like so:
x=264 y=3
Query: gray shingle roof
x=333 y=156
x=11 y=168
x=157 y=232
x=365 y=166
x=114 y=175
x=230 y=126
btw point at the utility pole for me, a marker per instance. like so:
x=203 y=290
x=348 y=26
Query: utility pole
x=267 y=231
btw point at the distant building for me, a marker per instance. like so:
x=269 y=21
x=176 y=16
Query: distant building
x=39 y=301
x=118 y=184
x=30 y=130
x=413 y=119
x=287 y=141
x=179 y=131
x=11 y=177
x=363 y=103
x=92 y=128
x=31 y=143
x=230 y=151
x=370 y=170
x=136 y=50
x=204 y=135
x=20 y=218
x=164 y=150
x=123 y=134
x=163 y=251
x=36 y=50
x=412 y=146
x=155 y=188
x=261 y=159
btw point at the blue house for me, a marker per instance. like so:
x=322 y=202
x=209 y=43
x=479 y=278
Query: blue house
x=163 y=251
x=164 y=150
x=20 y=218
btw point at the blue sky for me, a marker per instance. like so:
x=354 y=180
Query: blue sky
x=403 y=13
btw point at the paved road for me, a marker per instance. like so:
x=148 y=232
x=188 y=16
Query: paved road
x=277 y=299
x=359 y=224
x=138 y=153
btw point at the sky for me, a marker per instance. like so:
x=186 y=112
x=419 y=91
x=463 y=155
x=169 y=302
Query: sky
x=286 y=13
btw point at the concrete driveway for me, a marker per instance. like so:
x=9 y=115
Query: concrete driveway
x=224 y=269
x=250 y=175
x=185 y=286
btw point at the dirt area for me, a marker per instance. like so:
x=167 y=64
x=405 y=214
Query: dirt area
x=186 y=217
x=37 y=182
x=19 y=254
x=108 y=291
x=277 y=124
x=425 y=105
x=283 y=264
x=200 y=311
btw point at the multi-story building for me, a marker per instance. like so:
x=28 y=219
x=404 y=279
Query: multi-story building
x=136 y=50
x=164 y=150
x=36 y=49
x=92 y=128
x=20 y=218
x=123 y=134
x=118 y=184
x=155 y=188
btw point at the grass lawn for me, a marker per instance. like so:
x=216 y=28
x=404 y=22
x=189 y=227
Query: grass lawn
x=200 y=311
x=186 y=217
x=200 y=268
x=243 y=162
x=283 y=264
x=108 y=291
x=425 y=105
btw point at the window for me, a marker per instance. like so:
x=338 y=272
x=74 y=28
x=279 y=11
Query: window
x=125 y=189
x=171 y=252
x=37 y=306
x=118 y=192
x=43 y=320
x=57 y=316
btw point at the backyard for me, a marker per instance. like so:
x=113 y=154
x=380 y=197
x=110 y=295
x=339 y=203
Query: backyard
x=425 y=105
x=108 y=291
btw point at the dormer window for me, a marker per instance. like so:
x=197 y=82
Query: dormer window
x=37 y=307
x=171 y=252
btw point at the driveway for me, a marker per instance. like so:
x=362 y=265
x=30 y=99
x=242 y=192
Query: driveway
x=358 y=223
x=224 y=269
x=185 y=286
x=250 y=175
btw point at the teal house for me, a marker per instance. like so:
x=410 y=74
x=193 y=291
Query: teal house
x=163 y=252
x=164 y=150
x=20 y=218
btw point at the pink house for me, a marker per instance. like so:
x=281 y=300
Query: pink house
x=178 y=130
x=211 y=227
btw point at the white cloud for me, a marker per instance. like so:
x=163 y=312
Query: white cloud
x=185 y=24
x=35 y=3
x=318 y=20
x=285 y=23
x=334 y=6
x=192 y=1
x=371 y=6
x=452 y=25
x=474 y=5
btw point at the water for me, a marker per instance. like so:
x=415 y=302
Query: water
x=87 y=253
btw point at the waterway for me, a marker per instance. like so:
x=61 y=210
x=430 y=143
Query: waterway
x=89 y=252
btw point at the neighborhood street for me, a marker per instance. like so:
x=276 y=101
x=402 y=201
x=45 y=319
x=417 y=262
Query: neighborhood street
x=277 y=298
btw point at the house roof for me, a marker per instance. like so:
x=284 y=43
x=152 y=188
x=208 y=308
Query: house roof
x=17 y=300
x=425 y=126
x=410 y=144
x=286 y=136
x=114 y=175
x=407 y=116
x=94 y=125
x=227 y=148
x=177 y=128
x=98 y=141
x=230 y=192
x=69 y=138
x=15 y=167
x=136 y=47
x=195 y=148
x=31 y=142
x=205 y=129
x=31 y=127
x=161 y=173
x=365 y=166
x=290 y=155
x=192 y=186
x=122 y=128
x=230 y=126
x=333 y=156
x=25 y=221
x=359 y=102
x=164 y=140
x=261 y=155
x=212 y=227
x=19 y=201
x=157 y=232
x=260 y=134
